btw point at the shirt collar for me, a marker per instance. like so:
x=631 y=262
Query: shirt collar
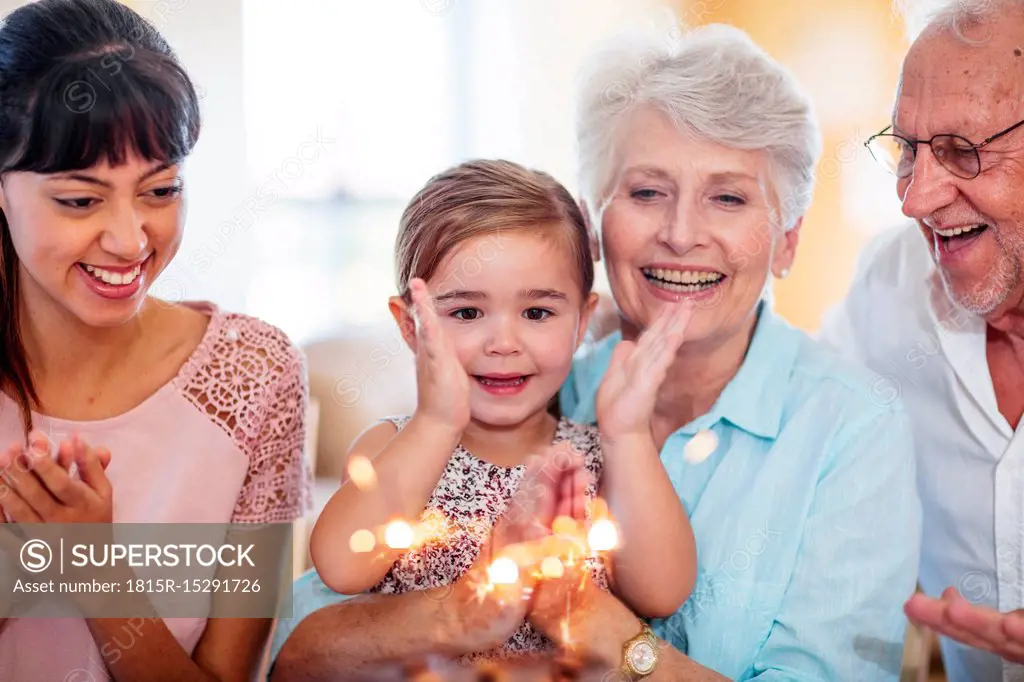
x=755 y=398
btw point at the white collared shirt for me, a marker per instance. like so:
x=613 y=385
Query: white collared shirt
x=898 y=320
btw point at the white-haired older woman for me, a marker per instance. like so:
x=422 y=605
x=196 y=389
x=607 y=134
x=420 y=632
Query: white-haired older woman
x=696 y=166
x=697 y=163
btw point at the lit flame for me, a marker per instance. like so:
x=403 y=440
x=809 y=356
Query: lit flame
x=398 y=535
x=482 y=589
x=503 y=571
x=603 y=536
x=360 y=472
x=433 y=526
x=362 y=541
x=551 y=567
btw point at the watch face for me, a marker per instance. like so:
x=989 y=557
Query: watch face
x=642 y=657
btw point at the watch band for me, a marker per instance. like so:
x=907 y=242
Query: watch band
x=640 y=654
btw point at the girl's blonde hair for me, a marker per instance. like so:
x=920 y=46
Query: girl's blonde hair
x=486 y=197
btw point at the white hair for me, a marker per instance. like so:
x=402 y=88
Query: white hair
x=713 y=82
x=953 y=15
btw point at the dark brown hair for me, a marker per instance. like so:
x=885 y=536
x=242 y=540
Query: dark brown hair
x=81 y=82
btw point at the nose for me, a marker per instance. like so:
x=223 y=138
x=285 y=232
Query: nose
x=502 y=336
x=929 y=187
x=680 y=227
x=125 y=235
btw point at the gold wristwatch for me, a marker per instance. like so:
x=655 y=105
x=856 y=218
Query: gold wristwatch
x=640 y=655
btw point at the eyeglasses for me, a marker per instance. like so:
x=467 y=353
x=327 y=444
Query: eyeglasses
x=957 y=154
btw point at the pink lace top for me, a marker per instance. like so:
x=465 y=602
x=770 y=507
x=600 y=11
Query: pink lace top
x=221 y=442
x=466 y=503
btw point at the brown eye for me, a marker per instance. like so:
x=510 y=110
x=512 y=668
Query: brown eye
x=84 y=202
x=166 y=192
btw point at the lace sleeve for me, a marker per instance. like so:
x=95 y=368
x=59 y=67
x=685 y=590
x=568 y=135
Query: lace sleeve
x=250 y=380
x=278 y=486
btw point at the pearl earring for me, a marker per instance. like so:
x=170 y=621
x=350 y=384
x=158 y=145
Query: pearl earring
x=784 y=273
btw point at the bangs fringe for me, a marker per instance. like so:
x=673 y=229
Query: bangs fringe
x=106 y=107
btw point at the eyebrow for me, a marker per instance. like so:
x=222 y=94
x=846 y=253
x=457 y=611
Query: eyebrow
x=721 y=176
x=732 y=176
x=529 y=294
x=962 y=126
x=93 y=180
x=539 y=294
x=650 y=171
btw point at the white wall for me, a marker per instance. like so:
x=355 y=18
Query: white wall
x=543 y=45
x=207 y=35
x=513 y=62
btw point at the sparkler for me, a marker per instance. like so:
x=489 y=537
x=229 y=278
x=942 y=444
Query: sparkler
x=603 y=536
x=399 y=535
x=503 y=571
x=550 y=557
x=551 y=567
x=570 y=539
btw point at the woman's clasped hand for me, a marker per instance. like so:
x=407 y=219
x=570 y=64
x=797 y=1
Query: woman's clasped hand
x=46 y=485
x=71 y=487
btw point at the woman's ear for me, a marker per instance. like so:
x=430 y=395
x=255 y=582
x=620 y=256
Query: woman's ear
x=404 y=319
x=588 y=311
x=592 y=237
x=785 y=254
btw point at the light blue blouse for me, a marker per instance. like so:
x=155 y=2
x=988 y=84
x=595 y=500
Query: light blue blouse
x=806 y=516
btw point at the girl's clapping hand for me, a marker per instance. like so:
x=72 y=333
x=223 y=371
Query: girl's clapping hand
x=442 y=384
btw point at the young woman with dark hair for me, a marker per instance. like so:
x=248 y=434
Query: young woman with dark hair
x=191 y=414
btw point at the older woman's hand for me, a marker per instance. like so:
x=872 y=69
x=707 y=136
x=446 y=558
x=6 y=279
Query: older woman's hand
x=626 y=397
x=587 y=623
x=481 y=610
x=479 y=615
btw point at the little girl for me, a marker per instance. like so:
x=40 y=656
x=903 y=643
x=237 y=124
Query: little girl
x=495 y=274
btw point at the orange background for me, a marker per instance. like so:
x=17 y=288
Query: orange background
x=847 y=55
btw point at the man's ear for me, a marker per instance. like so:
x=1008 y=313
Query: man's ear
x=404 y=319
x=588 y=311
x=593 y=238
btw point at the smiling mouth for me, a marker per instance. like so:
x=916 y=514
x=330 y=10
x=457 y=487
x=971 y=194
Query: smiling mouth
x=951 y=240
x=683 y=281
x=961 y=233
x=501 y=381
x=120 y=277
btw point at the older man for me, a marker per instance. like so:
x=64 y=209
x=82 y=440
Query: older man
x=938 y=311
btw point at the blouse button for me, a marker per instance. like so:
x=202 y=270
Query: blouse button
x=232 y=334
